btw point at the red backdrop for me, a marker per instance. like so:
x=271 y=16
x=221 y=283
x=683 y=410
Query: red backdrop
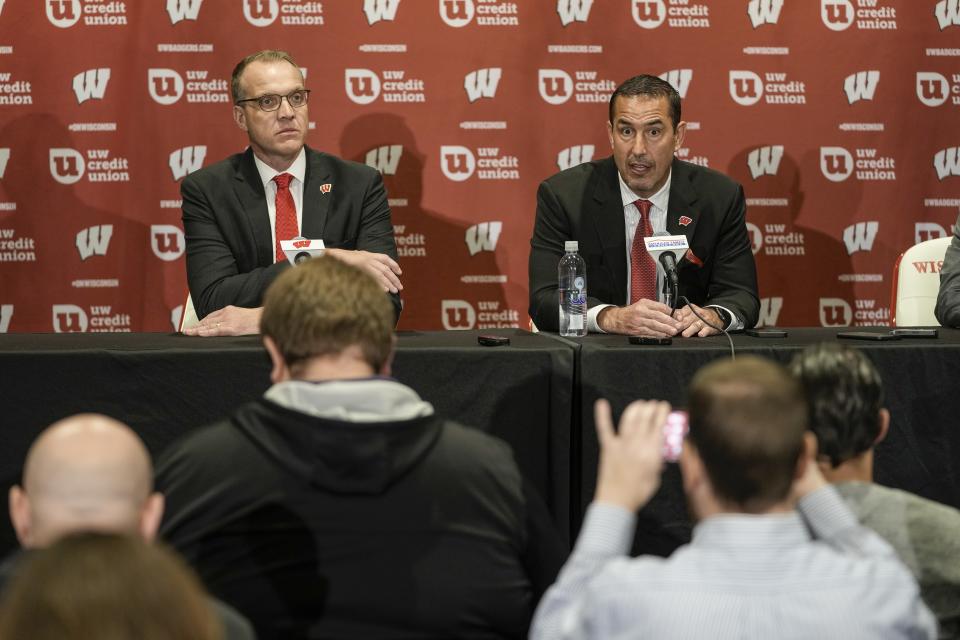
x=839 y=117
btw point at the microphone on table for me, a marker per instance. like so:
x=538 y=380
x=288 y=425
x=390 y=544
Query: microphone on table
x=664 y=248
x=300 y=249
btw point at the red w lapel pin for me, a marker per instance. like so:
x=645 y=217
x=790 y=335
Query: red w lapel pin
x=685 y=220
x=326 y=187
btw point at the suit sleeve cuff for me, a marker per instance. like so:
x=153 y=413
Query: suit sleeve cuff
x=735 y=324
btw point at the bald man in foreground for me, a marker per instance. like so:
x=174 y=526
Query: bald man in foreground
x=85 y=472
x=91 y=473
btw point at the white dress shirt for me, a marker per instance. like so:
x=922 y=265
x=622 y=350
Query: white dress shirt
x=811 y=573
x=299 y=171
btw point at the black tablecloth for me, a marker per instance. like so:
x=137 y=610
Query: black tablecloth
x=922 y=391
x=165 y=385
x=537 y=394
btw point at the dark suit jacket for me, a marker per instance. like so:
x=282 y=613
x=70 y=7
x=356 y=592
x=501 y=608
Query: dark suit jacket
x=230 y=255
x=583 y=203
x=948 y=298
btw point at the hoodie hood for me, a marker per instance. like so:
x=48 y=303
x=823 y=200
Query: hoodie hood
x=343 y=436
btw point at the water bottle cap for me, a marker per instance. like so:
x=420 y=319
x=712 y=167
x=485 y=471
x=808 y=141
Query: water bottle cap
x=571 y=246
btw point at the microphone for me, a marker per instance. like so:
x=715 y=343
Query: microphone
x=300 y=249
x=664 y=249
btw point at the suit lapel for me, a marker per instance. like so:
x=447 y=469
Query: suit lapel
x=605 y=210
x=683 y=198
x=315 y=202
x=249 y=190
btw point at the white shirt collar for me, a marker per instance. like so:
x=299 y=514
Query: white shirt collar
x=660 y=199
x=298 y=169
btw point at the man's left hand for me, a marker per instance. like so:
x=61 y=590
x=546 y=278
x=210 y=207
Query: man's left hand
x=229 y=321
x=694 y=326
x=382 y=267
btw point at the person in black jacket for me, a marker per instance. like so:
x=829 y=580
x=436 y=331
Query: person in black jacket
x=339 y=505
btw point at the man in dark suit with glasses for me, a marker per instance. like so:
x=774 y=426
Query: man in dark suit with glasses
x=236 y=212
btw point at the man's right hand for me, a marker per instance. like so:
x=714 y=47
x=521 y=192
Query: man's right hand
x=642 y=318
x=382 y=267
x=631 y=460
x=229 y=321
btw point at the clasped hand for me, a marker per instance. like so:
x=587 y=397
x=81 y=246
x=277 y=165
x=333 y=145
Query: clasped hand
x=651 y=318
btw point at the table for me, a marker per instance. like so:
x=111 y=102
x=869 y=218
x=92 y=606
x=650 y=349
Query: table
x=922 y=391
x=164 y=385
x=537 y=394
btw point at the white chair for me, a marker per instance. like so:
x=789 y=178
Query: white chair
x=916 y=281
x=189 y=317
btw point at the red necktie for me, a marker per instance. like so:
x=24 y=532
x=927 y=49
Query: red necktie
x=286 y=222
x=643 y=270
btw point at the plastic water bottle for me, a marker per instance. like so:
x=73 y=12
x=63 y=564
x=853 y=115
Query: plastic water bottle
x=572 y=279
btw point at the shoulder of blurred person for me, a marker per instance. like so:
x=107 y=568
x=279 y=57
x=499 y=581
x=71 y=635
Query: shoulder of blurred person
x=924 y=534
x=103 y=585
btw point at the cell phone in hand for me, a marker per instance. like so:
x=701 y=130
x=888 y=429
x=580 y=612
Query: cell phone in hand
x=674 y=431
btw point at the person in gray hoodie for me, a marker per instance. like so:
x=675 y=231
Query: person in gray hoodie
x=339 y=505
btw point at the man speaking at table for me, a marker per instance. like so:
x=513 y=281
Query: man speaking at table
x=610 y=205
x=236 y=212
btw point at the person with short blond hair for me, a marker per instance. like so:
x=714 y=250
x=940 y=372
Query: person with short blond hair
x=339 y=505
x=307 y=316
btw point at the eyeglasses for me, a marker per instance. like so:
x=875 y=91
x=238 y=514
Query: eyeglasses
x=272 y=102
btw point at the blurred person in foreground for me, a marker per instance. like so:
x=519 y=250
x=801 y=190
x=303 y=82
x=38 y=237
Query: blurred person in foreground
x=106 y=586
x=90 y=472
x=845 y=397
x=339 y=504
x=776 y=552
x=237 y=211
